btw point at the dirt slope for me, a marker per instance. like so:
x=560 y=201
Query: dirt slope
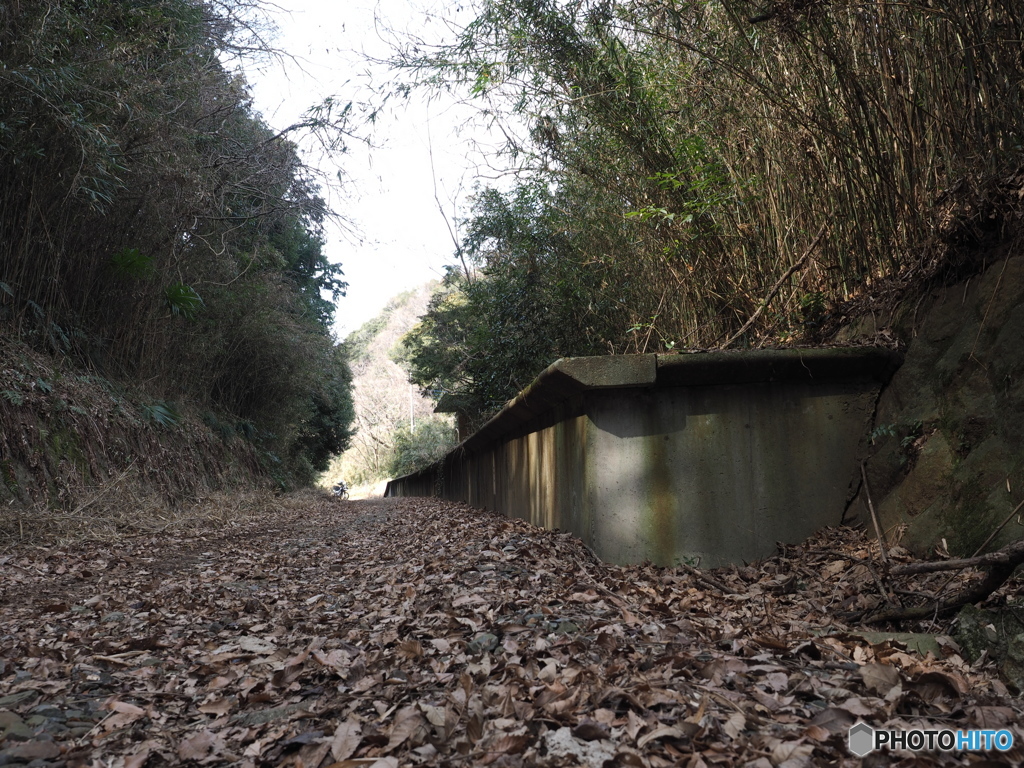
x=415 y=632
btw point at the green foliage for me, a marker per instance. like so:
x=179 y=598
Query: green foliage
x=683 y=157
x=162 y=414
x=183 y=301
x=881 y=432
x=13 y=396
x=327 y=431
x=813 y=306
x=131 y=264
x=299 y=241
x=538 y=294
x=453 y=350
x=141 y=187
x=224 y=430
x=428 y=442
x=357 y=343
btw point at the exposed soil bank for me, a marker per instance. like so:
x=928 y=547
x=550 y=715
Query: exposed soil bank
x=71 y=441
x=946 y=454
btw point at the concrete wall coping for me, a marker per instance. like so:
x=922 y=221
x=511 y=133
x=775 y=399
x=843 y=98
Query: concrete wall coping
x=569 y=377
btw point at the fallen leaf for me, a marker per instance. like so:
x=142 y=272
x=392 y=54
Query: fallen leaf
x=219 y=708
x=256 y=645
x=200 y=745
x=312 y=754
x=408 y=721
x=345 y=740
x=410 y=649
x=879 y=678
x=141 y=756
x=125 y=708
x=785 y=751
x=505 y=745
x=662 y=732
x=856 y=706
x=634 y=725
x=734 y=725
x=435 y=715
x=835 y=720
x=590 y=730
x=385 y=662
x=817 y=732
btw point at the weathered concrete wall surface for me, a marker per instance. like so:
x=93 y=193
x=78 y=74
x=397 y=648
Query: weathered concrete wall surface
x=712 y=457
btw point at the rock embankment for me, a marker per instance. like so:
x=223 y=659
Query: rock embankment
x=946 y=459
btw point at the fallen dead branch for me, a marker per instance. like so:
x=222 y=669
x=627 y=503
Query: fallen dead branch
x=1011 y=554
x=999 y=527
x=705 y=579
x=874 y=517
x=1001 y=565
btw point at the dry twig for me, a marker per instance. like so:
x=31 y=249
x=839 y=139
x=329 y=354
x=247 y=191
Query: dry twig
x=704 y=578
x=1001 y=565
x=777 y=287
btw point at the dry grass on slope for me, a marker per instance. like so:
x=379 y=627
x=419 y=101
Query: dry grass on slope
x=121 y=510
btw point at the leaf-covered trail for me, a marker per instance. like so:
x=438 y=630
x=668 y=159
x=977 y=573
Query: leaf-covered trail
x=418 y=632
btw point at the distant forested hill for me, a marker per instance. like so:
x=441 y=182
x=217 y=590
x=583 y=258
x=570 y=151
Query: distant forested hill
x=396 y=428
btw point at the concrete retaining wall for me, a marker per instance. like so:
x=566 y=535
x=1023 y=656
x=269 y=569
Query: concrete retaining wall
x=712 y=457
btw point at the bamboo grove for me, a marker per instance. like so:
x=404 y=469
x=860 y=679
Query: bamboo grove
x=154 y=229
x=692 y=164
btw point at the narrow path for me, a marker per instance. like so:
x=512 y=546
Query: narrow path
x=418 y=632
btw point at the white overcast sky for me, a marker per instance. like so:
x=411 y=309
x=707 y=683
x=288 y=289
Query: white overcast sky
x=401 y=238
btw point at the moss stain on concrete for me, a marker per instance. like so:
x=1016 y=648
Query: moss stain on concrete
x=687 y=467
x=664 y=507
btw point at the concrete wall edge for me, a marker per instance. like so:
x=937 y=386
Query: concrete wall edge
x=572 y=377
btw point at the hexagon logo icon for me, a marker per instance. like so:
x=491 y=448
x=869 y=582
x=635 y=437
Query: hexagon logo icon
x=861 y=739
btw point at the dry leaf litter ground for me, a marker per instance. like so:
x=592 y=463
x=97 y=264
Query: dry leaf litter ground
x=408 y=632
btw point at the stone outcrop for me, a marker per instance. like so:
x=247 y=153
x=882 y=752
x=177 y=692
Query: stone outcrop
x=946 y=452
